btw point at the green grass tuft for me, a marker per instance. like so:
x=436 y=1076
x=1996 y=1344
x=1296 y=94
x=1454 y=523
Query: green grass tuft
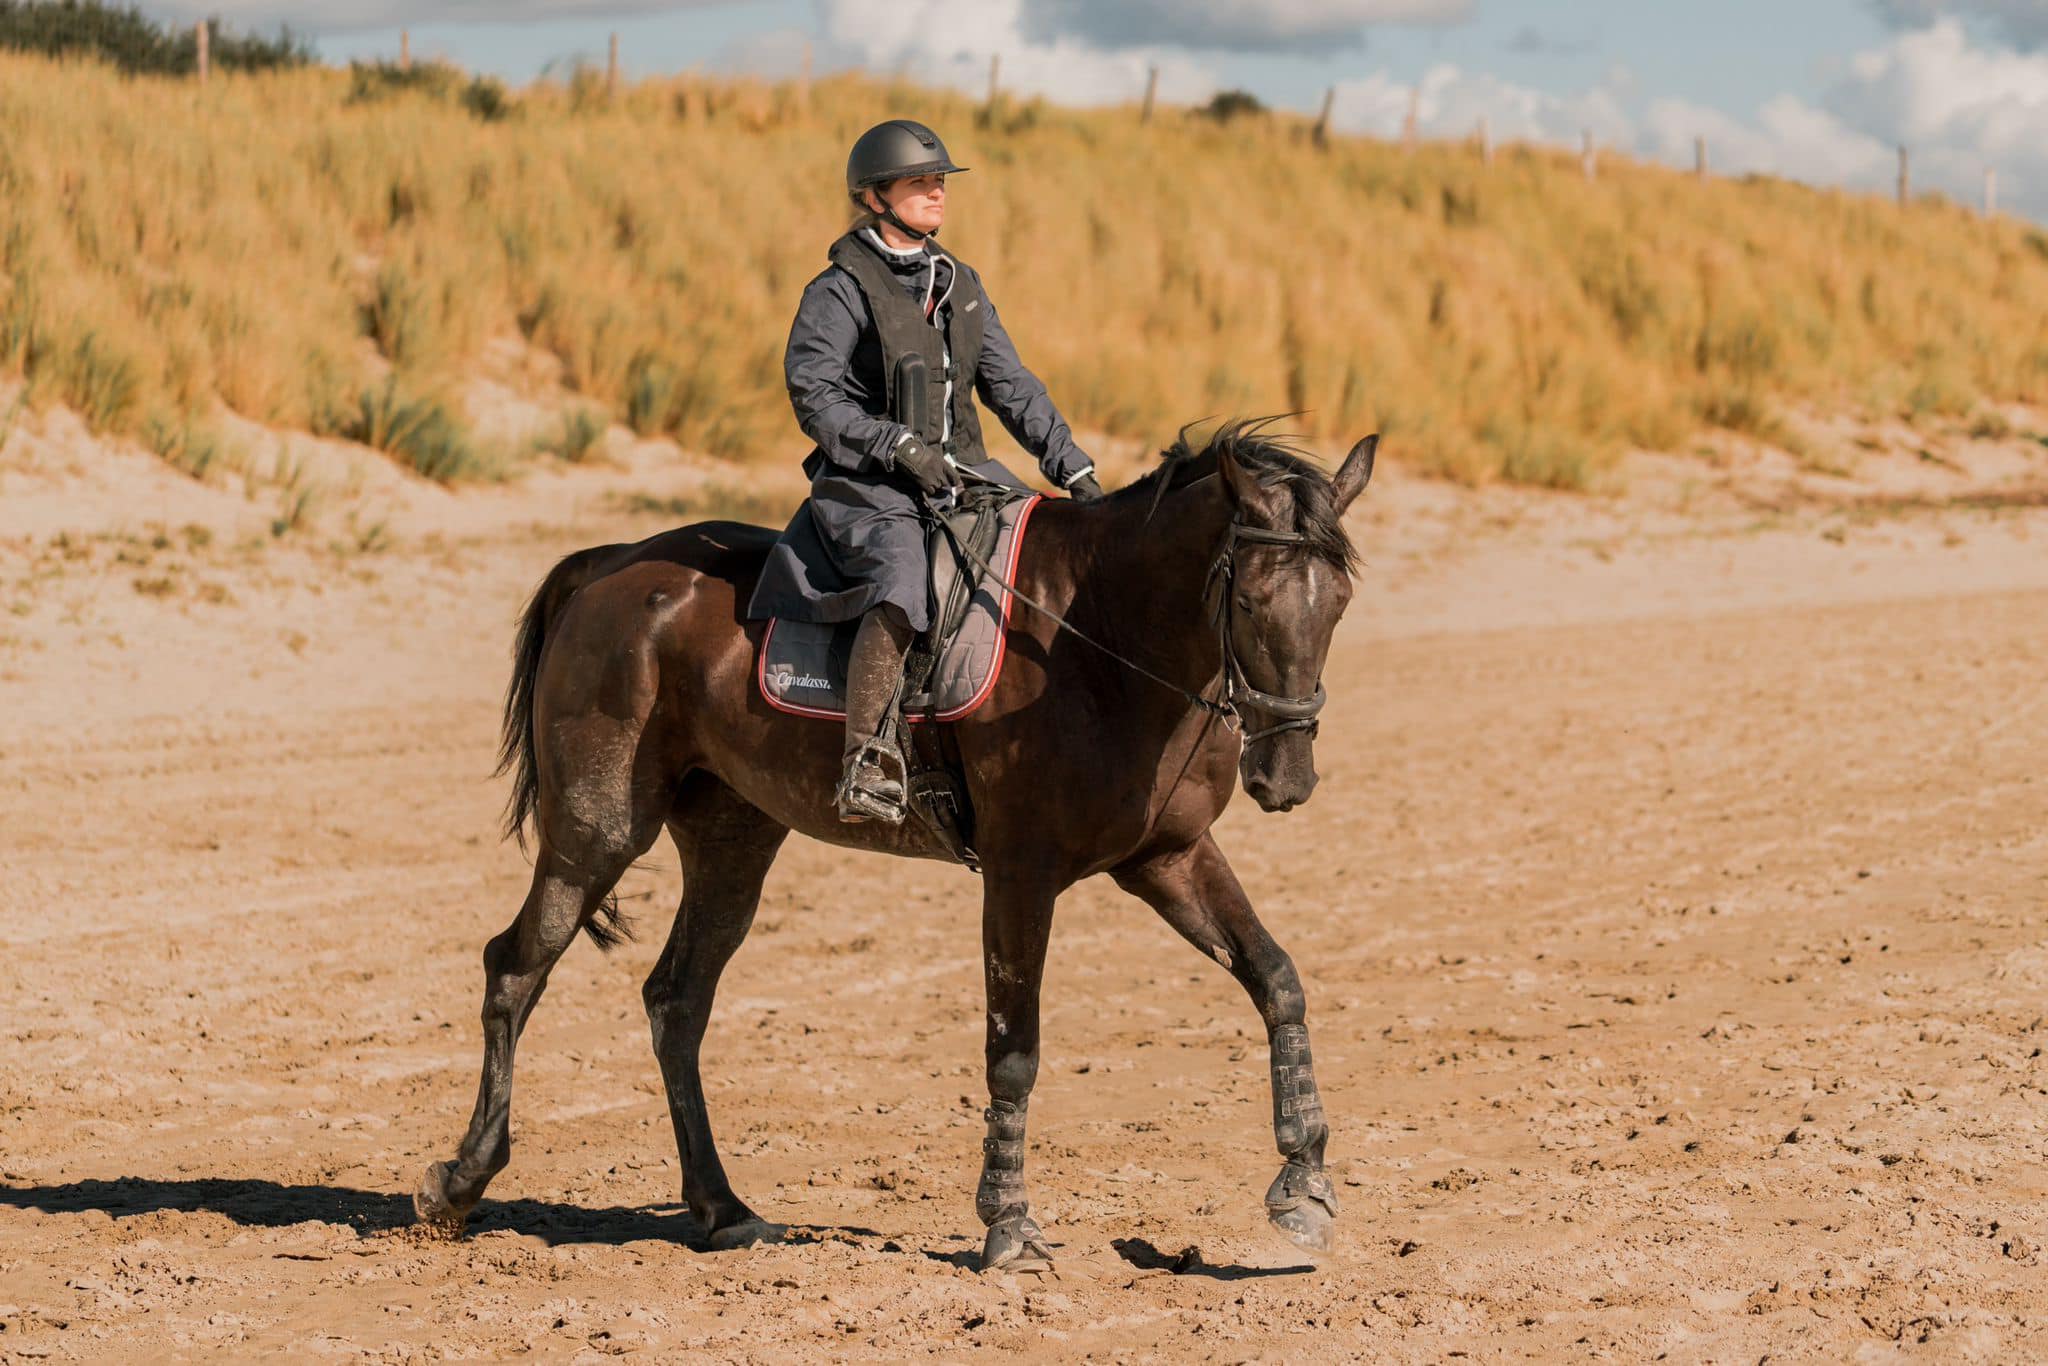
x=420 y=431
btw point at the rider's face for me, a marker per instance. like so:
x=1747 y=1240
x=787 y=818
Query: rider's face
x=918 y=200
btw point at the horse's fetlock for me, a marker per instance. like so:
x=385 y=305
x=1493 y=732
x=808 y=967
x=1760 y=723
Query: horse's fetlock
x=1001 y=1195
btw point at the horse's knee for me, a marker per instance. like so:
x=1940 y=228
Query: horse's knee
x=498 y=951
x=655 y=992
x=501 y=973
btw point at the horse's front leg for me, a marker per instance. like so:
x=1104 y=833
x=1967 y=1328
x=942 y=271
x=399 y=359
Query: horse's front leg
x=1194 y=890
x=1016 y=920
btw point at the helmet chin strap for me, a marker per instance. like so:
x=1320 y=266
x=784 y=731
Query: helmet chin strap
x=887 y=214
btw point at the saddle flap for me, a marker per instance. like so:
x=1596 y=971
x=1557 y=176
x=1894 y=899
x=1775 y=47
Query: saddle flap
x=978 y=525
x=802 y=667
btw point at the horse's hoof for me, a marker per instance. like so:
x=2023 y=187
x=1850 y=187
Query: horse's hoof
x=431 y=1205
x=1016 y=1244
x=1302 y=1205
x=749 y=1232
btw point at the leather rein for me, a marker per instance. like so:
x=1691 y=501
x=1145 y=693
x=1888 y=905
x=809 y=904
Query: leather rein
x=1287 y=713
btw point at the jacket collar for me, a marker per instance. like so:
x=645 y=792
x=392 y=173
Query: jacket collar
x=922 y=259
x=898 y=255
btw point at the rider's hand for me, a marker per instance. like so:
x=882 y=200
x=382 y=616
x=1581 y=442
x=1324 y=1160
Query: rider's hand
x=924 y=464
x=1085 y=489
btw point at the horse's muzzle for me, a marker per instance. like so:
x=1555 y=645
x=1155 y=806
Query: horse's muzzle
x=1283 y=776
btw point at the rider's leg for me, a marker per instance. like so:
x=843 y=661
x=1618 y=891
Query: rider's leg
x=871 y=678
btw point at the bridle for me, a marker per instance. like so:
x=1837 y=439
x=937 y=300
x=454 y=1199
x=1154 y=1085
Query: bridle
x=1286 y=713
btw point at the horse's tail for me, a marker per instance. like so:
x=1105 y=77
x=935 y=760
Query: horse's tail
x=517 y=744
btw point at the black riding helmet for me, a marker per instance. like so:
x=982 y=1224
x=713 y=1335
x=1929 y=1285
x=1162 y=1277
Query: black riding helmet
x=891 y=151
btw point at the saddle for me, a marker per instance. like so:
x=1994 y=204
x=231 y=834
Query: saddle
x=951 y=668
x=953 y=665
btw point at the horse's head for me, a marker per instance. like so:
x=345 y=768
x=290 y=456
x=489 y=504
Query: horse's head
x=1282 y=582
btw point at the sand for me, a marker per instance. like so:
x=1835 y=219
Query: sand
x=1670 y=914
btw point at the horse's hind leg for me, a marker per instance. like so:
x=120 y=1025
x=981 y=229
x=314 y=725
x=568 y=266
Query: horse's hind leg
x=516 y=964
x=1194 y=890
x=726 y=847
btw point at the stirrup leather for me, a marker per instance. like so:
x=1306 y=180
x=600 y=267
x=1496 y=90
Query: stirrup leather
x=868 y=790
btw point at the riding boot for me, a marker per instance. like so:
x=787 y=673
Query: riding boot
x=872 y=786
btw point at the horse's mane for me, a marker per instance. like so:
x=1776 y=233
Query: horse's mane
x=1275 y=462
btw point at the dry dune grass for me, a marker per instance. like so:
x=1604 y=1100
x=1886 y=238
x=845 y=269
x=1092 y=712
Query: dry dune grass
x=317 y=250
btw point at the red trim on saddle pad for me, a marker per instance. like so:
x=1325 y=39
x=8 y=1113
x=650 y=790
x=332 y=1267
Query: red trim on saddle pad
x=995 y=668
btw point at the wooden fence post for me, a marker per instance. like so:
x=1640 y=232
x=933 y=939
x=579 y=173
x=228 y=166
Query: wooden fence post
x=1589 y=156
x=1485 y=143
x=1151 y=92
x=1408 y=121
x=204 y=38
x=611 y=70
x=1905 y=177
x=1322 y=128
x=1990 y=191
x=405 y=49
x=995 y=77
x=1699 y=158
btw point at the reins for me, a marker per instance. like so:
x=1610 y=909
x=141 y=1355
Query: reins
x=1293 y=713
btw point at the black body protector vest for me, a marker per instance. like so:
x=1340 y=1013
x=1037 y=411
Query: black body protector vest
x=903 y=330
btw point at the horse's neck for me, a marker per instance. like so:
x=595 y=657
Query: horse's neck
x=1147 y=580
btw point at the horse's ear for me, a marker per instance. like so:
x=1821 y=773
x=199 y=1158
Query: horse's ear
x=1356 y=472
x=1243 y=482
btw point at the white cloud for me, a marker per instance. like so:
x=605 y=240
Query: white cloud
x=1934 y=86
x=341 y=16
x=1449 y=103
x=1310 y=26
x=949 y=42
x=1957 y=107
x=1788 y=137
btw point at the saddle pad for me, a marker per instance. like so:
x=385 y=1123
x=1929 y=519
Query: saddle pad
x=802 y=668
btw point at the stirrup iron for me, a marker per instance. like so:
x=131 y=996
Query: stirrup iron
x=872 y=787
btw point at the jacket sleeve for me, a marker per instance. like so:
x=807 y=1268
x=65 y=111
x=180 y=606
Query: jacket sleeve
x=817 y=368
x=1016 y=396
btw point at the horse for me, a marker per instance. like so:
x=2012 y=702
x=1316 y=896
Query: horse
x=1174 y=638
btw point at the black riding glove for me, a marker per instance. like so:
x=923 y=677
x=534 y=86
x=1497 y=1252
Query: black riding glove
x=1085 y=489
x=924 y=464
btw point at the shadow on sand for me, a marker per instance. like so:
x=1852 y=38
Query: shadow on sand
x=1141 y=1253
x=266 y=1204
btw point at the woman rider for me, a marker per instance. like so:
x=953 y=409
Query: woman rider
x=857 y=548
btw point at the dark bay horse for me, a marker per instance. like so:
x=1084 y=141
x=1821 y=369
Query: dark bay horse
x=633 y=708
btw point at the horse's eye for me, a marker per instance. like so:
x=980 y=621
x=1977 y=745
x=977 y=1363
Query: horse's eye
x=1244 y=603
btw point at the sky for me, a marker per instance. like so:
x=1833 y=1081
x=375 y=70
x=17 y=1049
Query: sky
x=1819 y=90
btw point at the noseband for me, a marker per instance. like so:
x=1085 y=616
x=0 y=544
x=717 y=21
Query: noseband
x=1287 y=713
